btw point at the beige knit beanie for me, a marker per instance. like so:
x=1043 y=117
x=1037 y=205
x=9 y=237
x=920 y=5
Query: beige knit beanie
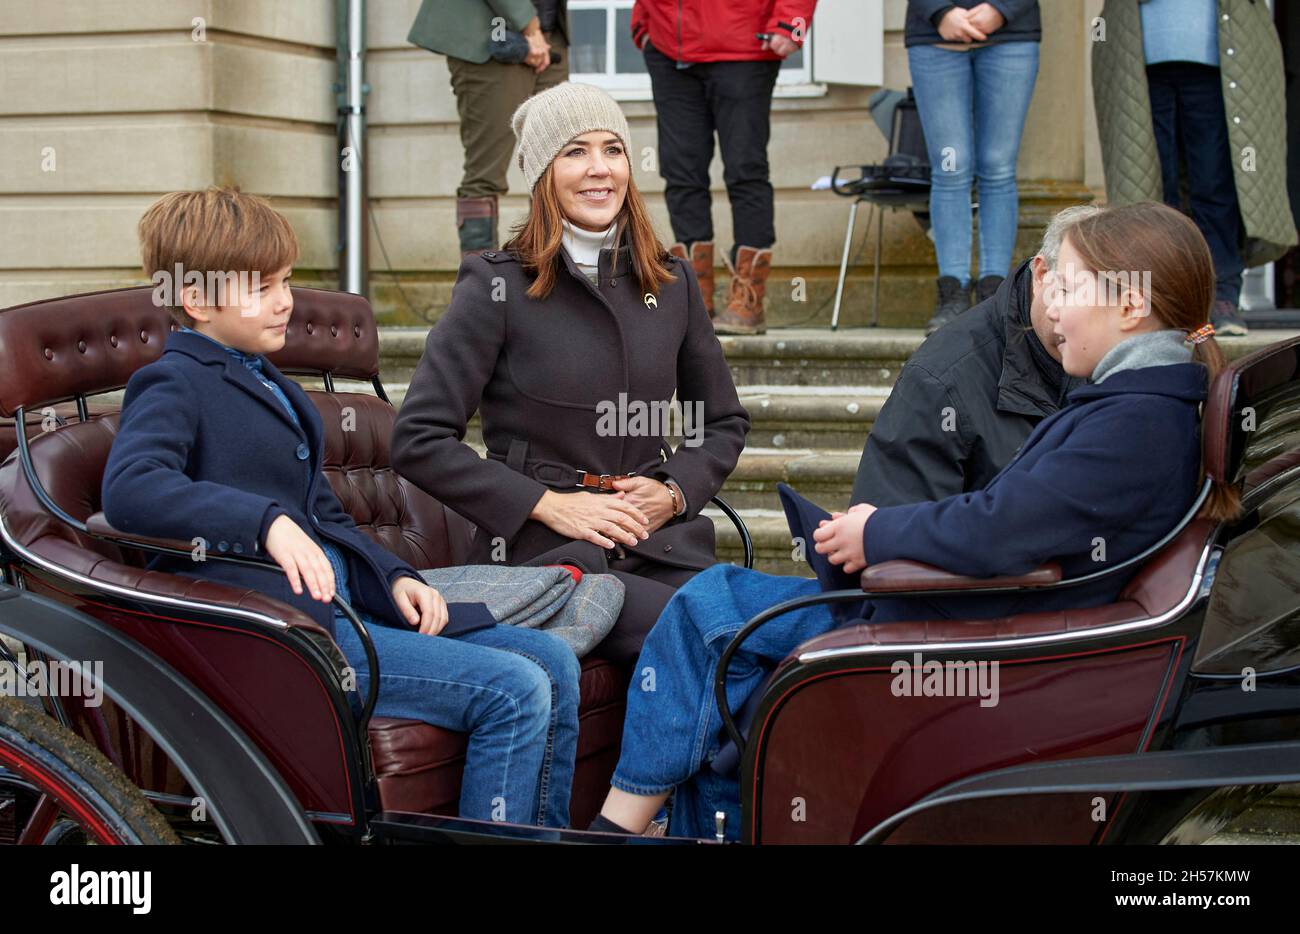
x=546 y=121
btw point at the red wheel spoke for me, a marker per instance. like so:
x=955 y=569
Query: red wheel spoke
x=39 y=824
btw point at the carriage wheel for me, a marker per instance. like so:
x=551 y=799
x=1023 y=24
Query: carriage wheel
x=57 y=788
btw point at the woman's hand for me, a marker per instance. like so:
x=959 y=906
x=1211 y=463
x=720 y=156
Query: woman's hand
x=598 y=518
x=650 y=496
x=539 y=50
x=421 y=605
x=840 y=537
x=986 y=18
x=958 y=26
x=301 y=558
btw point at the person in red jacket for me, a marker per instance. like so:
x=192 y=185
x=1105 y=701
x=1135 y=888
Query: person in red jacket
x=713 y=65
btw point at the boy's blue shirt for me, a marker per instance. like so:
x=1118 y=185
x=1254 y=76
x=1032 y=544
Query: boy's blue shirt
x=195 y=456
x=1093 y=485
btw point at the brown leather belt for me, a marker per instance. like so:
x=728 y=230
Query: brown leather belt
x=603 y=482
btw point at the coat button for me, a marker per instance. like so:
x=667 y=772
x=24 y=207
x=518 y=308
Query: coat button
x=488 y=254
x=301 y=451
x=668 y=548
x=237 y=548
x=223 y=546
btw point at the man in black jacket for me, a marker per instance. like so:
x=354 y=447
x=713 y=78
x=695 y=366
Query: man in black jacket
x=971 y=394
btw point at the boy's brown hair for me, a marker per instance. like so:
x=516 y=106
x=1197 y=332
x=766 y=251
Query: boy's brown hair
x=217 y=231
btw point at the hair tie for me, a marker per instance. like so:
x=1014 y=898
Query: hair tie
x=1201 y=334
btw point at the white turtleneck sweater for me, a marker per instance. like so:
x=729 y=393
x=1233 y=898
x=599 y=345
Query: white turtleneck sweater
x=584 y=247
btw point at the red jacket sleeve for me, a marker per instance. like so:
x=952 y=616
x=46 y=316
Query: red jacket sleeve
x=640 y=25
x=792 y=17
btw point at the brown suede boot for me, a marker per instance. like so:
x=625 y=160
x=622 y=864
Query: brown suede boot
x=701 y=259
x=476 y=224
x=744 y=311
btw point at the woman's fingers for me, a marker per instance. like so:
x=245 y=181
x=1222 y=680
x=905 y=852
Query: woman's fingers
x=633 y=511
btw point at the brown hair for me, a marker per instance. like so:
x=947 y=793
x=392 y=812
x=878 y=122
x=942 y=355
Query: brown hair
x=1166 y=243
x=217 y=230
x=538 y=238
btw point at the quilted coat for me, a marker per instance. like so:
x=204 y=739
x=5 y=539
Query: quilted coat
x=1250 y=57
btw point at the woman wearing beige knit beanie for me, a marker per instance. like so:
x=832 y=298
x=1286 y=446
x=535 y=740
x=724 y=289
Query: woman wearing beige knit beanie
x=570 y=343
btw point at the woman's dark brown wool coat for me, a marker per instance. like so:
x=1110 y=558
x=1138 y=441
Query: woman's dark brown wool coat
x=540 y=373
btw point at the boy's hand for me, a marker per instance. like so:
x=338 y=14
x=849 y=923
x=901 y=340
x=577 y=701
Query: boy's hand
x=301 y=558
x=421 y=605
x=840 y=537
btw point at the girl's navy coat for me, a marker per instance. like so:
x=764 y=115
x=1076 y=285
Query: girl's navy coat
x=1093 y=485
x=205 y=450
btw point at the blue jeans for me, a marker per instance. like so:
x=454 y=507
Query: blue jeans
x=972 y=106
x=514 y=691
x=673 y=727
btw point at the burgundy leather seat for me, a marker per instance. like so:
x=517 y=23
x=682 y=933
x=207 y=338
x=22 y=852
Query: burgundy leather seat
x=418 y=766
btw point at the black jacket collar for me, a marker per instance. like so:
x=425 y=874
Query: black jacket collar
x=1032 y=383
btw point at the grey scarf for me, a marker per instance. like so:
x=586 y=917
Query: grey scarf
x=546 y=598
x=1151 y=348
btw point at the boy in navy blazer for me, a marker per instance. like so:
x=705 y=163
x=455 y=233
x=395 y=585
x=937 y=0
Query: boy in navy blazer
x=217 y=447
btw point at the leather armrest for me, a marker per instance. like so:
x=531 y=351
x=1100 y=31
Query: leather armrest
x=913 y=575
x=98 y=526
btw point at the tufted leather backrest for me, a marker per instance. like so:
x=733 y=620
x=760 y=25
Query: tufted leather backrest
x=82 y=344
x=385 y=505
x=93 y=343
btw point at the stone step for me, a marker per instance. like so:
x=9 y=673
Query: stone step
x=773 y=548
x=785 y=357
x=821 y=418
x=825 y=477
x=788 y=357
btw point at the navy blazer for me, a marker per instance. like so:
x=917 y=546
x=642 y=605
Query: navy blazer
x=205 y=450
x=1094 y=484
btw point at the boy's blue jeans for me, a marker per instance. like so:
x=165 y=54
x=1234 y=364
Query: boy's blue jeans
x=972 y=106
x=673 y=728
x=513 y=690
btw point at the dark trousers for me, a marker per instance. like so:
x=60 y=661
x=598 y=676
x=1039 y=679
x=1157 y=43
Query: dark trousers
x=648 y=586
x=735 y=99
x=1190 y=127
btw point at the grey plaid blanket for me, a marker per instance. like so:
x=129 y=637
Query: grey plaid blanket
x=580 y=613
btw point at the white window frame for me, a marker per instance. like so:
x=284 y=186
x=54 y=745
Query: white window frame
x=790 y=82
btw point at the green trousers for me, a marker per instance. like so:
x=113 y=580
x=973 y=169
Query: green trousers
x=486 y=97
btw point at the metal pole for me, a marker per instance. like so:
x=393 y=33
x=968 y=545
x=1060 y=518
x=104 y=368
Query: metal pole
x=353 y=243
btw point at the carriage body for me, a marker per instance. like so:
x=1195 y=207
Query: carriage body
x=832 y=751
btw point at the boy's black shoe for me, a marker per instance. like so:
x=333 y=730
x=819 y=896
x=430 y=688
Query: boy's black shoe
x=954 y=298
